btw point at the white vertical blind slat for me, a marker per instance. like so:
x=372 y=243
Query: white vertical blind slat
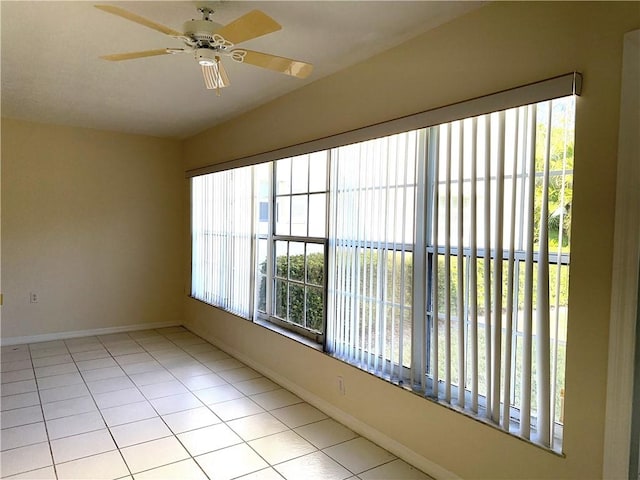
x=497 y=272
x=543 y=347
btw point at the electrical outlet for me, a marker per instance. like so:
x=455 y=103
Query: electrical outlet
x=33 y=297
x=341 y=388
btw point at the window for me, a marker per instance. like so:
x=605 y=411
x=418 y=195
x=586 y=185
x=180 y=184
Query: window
x=436 y=258
x=222 y=239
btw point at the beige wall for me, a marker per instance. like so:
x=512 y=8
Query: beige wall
x=92 y=222
x=499 y=46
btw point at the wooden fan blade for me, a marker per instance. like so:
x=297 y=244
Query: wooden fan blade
x=132 y=55
x=253 y=24
x=138 y=19
x=295 y=68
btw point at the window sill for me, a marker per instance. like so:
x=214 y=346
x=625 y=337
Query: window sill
x=289 y=334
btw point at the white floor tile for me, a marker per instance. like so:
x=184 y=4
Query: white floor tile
x=190 y=419
x=46 y=473
x=315 y=466
x=326 y=433
x=17 y=375
x=128 y=413
x=157 y=345
x=256 y=426
x=212 y=356
x=54 y=360
x=21 y=416
x=65 y=408
x=132 y=358
x=238 y=408
x=275 y=399
x=150 y=366
x=102 y=374
x=200 y=382
x=86 y=347
x=176 y=403
x=397 y=469
x=154 y=454
x=24 y=459
x=183 y=470
x=64 y=393
x=11 y=366
x=208 y=439
x=20 y=400
x=189 y=371
x=39 y=346
x=266 y=474
x=105 y=466
x=141 y=431
x=91 y=354
x=139 y=334
x=14 y=355
x=359 y=454
x=224 y=364
x=256 y=385
x=149 y=378
x=199 y=348
x=96 y=363
x=239 y=374
x=49 y=352
x=231 y=462
x=221 y=393
x=83 y=445
x=167 y=353
x=23 y=435
x=59 y=380
x=281 y=447
x=119 y=350
x=118 y=397
x=16 y=388
x=177 y=361
x=67 y=426
x=59 y=369
x=297 y=415
x=164 y=389
x=110 y=385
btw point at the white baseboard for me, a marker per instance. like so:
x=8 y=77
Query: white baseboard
x=83 y=333
x=358 y=426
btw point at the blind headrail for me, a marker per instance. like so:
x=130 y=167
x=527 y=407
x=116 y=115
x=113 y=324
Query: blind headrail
x=560 y=86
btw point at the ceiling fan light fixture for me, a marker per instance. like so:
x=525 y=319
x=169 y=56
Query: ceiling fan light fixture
x=215 y=76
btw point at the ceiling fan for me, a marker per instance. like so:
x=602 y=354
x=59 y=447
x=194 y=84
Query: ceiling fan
x=208 y=41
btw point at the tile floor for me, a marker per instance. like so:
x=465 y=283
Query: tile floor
x=165 y=404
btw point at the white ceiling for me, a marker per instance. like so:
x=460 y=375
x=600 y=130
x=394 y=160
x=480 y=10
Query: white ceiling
x=51 y=72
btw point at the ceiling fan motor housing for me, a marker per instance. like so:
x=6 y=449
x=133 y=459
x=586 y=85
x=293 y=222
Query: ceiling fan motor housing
x=201 y=31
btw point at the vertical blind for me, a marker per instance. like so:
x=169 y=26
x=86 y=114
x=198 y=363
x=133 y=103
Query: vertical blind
x=371 y=253
x=448 y=253
x=477 y=321
x=222 y=240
